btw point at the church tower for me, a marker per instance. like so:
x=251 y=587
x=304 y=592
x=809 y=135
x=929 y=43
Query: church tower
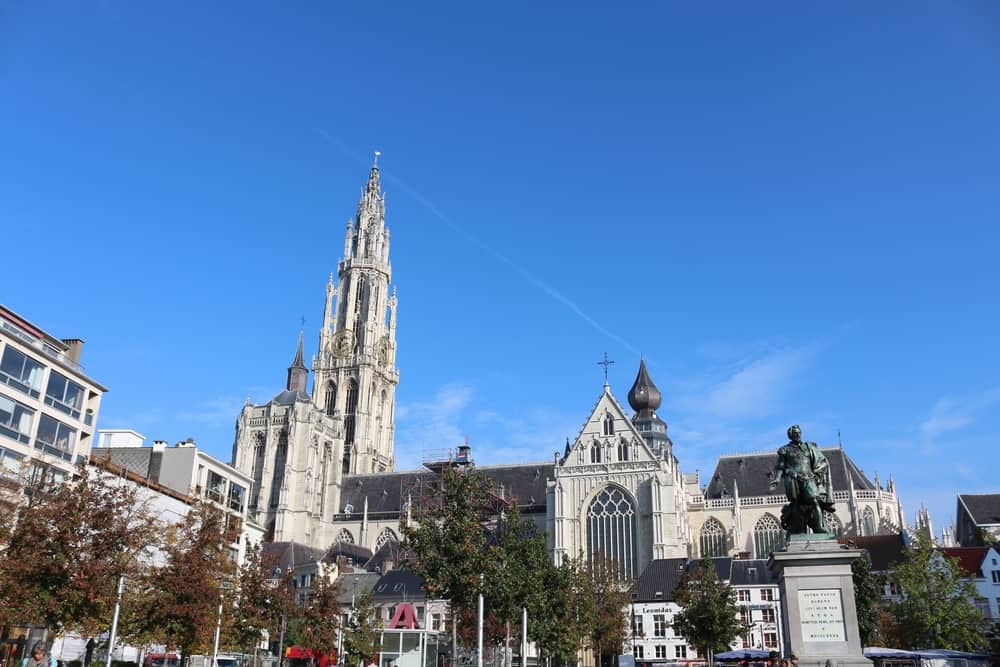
x=355 y=366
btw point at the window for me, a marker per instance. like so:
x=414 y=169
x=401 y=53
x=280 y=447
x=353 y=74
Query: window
x=996 y=576
x=833 y=524
x=236 y=494
x=680 y=651
x=622 y=450
x=64 y=395
x=45 y=475
x=639 y=653
x=661 y=651
x=435 y=621
x=767 y=615
x=385 y=537
x=54 y=437
x=345 y=536
x=15 y=420
x=743 y=595
x=745 y=616
x=234 y=554
x=609 y=425
x=868 y=522
x=11 y=463
x=637 y=628
x=767 y=594
x=713 y=539
x=216 y=486
x=595 y=452
x=770 y=640
x=349 y=410
x=331 y=397
x=659 y=625
x=767 y=536
x=611 y=529
x=21 y=371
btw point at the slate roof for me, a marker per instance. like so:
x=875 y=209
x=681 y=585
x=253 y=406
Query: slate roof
x=399 y=585
x=136 y=459
x=288 y=397
x=353 y=584
x=658 y=581
x=970 y=559
x=883 y=550
x=356 y=552
x=722 y=567
x=751 y=573
x=984 y=507
x=389 y=551
x=752 y=473
x=288 y=555
x=387 y=491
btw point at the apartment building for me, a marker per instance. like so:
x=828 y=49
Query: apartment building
x=48 y=404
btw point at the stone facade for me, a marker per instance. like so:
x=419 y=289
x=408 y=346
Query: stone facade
x=322 y=462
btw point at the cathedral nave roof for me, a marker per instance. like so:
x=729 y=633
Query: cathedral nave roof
x=752 y=474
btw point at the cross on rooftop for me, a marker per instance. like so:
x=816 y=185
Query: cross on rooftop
x=605 y=362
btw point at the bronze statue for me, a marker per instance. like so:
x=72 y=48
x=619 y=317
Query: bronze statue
x=806 y=474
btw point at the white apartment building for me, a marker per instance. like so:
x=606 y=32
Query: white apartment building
x=186 y=470
x=48 y=404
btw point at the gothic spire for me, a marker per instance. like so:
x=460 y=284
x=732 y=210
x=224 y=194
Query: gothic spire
x=298 y=373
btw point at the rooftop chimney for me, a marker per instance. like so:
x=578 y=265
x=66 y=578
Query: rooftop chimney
x=75 y=346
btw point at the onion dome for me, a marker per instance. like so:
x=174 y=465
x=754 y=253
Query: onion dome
x=644 y=397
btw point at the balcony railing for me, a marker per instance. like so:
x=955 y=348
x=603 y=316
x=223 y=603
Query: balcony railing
x=41 y=345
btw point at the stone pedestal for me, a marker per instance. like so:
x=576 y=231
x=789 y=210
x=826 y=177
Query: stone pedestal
x=817 y=602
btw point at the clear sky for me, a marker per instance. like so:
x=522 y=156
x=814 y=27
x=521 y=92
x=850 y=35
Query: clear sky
x=791 y=209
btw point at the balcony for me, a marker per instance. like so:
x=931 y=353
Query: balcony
x=40 y=345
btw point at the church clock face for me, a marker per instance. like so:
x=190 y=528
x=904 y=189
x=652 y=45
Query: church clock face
x=343 y=343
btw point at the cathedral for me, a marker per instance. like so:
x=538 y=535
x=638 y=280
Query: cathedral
x=323 y=468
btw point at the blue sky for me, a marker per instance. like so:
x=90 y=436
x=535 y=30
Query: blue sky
x=791 y=210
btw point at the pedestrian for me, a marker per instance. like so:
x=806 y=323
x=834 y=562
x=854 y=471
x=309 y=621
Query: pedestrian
x=39 y=656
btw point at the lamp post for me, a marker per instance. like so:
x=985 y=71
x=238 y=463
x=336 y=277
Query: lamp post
x=114 y=620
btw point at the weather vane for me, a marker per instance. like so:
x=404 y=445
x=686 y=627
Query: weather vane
x=605 y=362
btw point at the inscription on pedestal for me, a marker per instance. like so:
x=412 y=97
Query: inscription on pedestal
x=821 y=613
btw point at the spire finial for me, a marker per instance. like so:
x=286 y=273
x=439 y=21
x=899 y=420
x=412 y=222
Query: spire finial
x=605 y=362
x=375 y=163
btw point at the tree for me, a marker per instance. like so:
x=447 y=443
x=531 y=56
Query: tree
x=446 y=541
x=937 y=609
x=67 y=547
x=708 y=619
x=609 y=598
x=561 y=625
x=867 y=598
x=262 y=601
x=319 y=619
x=179 y=601
x=363 y=632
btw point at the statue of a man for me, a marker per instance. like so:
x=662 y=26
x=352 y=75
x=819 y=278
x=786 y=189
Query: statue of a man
x=806 y=475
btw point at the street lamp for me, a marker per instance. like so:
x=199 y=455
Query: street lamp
x=224 y=586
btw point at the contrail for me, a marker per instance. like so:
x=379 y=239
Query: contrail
x=525 y=273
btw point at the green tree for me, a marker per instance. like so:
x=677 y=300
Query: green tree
x=262 y=602
x=179 y=601
x=319 y=619
x=867 y=600
x=67 y=547
x=363 y=632
x=708 y=619
x=937 y=609
x=561 y=626
x=610 y=597
x=446 y=541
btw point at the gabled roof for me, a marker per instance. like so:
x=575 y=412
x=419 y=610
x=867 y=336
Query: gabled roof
x=984 y=508
x=970 y=559
x=289 y=555
x=399 y=585
x=751 y=573
x=358 y=553
x=752 y=474
x=386 y=492
x=722 y=564
x=884 y=551
x=353 y=584
x=659 y=579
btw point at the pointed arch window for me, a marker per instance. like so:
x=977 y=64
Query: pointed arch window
x=330 y=400
x=623 y=450
x=609 y=424
x=868 y=522
x=344 y=537
x=833 y=525
x=611 y=529
x=350 y=409
x=713 y=539
x=767 y=536
x=384 y=537
x=595 y=452
x=359 y=295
